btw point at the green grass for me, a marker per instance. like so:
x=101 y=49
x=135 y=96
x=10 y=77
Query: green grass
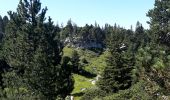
x=87 y=54
x=68 y=51
x=80 y=83
x=96 y=64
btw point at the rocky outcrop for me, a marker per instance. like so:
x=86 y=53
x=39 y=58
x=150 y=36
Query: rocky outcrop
x=78 y=42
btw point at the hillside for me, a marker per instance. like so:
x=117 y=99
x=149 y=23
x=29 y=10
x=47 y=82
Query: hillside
x=95 y=65
x=41 y=60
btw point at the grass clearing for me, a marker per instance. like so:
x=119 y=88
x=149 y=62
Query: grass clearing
x=96 y=64
x=81 y=83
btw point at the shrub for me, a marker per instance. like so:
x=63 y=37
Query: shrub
x=136 y=92
x=93 y=93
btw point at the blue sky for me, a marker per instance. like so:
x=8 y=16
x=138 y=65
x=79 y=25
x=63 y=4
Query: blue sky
x=123 y=12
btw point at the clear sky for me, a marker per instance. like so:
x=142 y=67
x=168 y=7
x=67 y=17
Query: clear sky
x=123 y=12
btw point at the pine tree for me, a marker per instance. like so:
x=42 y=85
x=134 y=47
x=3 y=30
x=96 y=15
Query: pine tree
x=139 y=38
x=1 y=24
x=32 y=48
x=151 y=59
x=117 y=75
x=67 y=31
x=97 y=34
x=75 y=62
x=5 y=22
x=159 y=20
x=85 y=33
x=1 y=28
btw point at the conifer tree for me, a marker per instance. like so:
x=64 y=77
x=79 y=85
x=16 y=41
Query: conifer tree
x=159 y=21
x=1 y=24
x=32 y=48
x=139 y=37
x=117 y=75
x=75 y=62
x=67 y=31
x=5 y=22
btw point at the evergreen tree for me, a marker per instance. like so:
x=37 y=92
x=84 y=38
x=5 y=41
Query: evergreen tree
x=97 y=34
x=1 y=24
x=117 y=75
x=139 y=37
x=5 y=22
x=84 y=32
x=67 y=31
x=1 y=27
x=75 y=62
x=159 y=20
x=32 y=49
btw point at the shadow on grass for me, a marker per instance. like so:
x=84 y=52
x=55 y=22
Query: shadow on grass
x=86 y=74
x=96 y=50
x=78 y=94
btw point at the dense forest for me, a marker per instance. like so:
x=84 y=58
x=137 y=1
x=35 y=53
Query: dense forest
x=43 y=61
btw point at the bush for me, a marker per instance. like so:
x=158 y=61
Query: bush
x=136 y=92
x=93 y=93
x=19 y=94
